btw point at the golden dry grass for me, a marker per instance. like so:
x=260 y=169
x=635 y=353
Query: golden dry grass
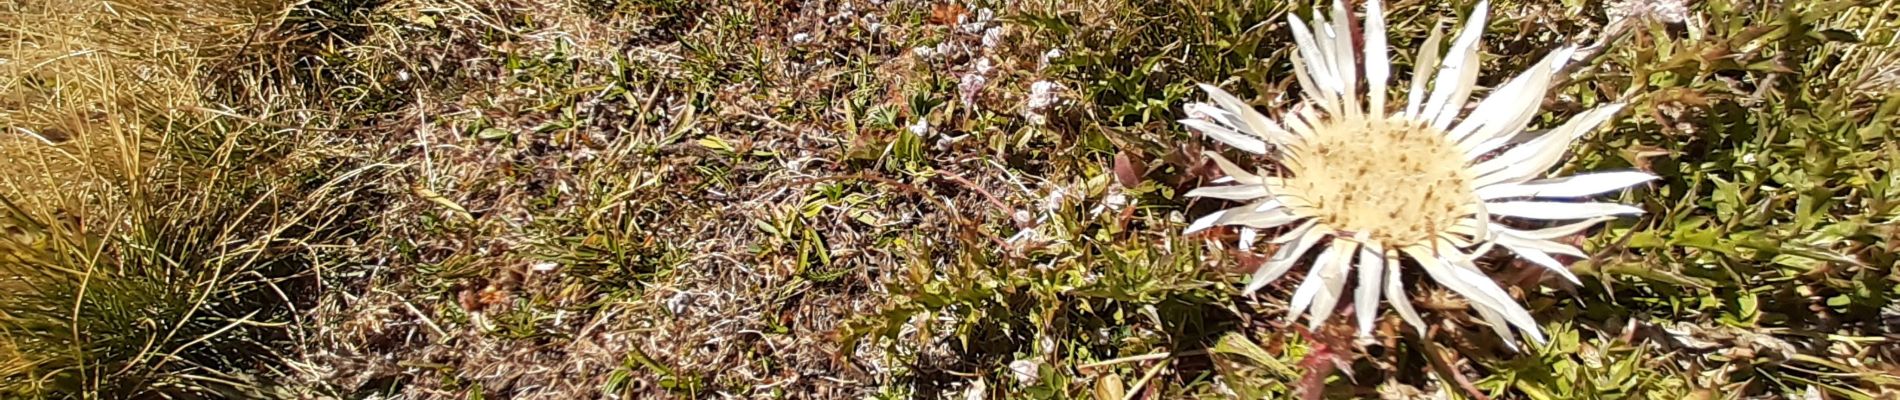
x=94 y=98
x=84 y=81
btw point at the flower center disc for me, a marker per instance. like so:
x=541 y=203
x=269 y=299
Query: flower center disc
x=1396 y=180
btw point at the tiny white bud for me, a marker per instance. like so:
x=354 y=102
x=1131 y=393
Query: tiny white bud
x=1026 y=372
x=921 y=128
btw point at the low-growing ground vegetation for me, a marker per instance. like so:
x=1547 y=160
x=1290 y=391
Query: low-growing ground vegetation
x=882 y=199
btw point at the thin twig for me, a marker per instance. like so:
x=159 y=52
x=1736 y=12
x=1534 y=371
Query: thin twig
x=1008 y=212
x=418 y=312
x=1136 y=388
x=1587 y=55
x=1143 y=357
x=769 y=121
x=1436 y=355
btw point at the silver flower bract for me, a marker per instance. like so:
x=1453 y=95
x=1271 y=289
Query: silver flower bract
x=1380 y=190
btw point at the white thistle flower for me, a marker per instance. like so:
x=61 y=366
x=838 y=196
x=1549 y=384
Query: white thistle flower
x=1371 y=185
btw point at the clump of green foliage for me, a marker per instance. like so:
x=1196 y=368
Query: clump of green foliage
x=154 y=243
x=1768 y=232
x=188 y=286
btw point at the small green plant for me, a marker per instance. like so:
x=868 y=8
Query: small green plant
x=154 y=247
x=185 y=284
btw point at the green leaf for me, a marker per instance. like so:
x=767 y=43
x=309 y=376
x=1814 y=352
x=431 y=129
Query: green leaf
x=1237 y=344
x=715 y=143
x=493 y=134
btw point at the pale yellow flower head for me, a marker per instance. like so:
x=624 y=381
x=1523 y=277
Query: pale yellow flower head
x=1384 y=189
